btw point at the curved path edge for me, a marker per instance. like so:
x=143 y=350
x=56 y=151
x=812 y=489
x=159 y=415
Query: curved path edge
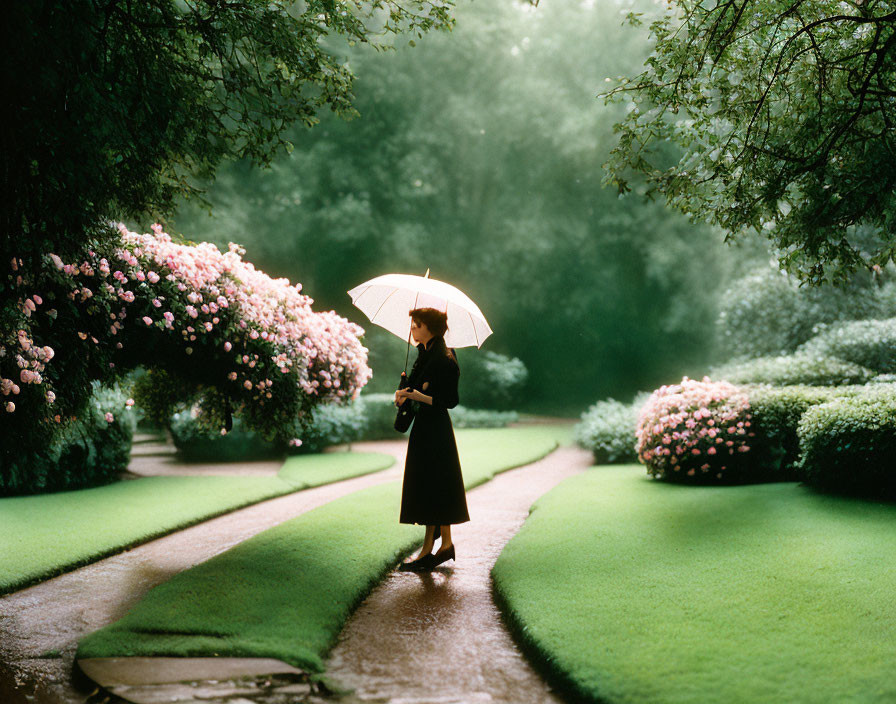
x=40 y=626
x=439 y=637
x=383 y=641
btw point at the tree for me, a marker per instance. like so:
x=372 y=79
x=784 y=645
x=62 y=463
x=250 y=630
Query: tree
x=112 y=109
x=785 y=112
x=116 y=105
x=490 y=176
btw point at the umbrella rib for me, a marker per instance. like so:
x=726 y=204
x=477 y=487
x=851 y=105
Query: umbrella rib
x=473 y=323
x=361 y=295
x=383 y=303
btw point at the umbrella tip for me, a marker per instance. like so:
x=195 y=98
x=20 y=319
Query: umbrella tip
x=426 y=275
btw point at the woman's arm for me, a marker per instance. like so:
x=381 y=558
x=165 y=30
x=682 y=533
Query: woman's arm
x=442 y=389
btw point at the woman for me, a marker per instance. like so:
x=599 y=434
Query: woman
x=433 y=489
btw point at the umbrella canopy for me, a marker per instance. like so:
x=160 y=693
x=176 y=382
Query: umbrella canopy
x=388 y=299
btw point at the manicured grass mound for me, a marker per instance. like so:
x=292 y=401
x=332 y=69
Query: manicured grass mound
x=275 y=595
x=484 y=452
x=287 y=592
x=663 y=593
x=306 y=471
x=48 y=534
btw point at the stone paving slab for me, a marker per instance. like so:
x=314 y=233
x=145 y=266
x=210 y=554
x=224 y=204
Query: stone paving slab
x=181 y=680
x=132 y=672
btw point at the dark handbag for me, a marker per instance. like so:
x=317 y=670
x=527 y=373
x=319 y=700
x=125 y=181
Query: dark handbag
x=406 y=410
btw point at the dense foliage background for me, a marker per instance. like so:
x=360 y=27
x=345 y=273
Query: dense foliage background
x=783 y=111
x=478 y=154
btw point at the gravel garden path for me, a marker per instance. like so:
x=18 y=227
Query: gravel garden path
x=415 y=639
x=40 y=626
x=438 y=637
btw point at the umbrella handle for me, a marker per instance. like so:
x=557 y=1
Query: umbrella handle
x=408 y=353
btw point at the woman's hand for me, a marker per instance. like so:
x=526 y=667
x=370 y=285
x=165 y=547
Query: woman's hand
x=414 y=395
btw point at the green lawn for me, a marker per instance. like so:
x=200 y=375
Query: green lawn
x=484 y=451
x=45 y=535
x=630 y=590
x=287 y=592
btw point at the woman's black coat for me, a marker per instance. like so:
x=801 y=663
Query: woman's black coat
x=433 y=488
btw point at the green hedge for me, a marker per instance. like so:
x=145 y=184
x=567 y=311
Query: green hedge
x=370 y=417
x=796 y=369
x=849 y=444
x=196 y=444
x=492 y=380
x=767 y=312
x=607 y=429
x=776 y=413
x=89 y=452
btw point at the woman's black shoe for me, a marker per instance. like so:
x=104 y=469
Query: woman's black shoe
x=442 y=556
x=419 y=565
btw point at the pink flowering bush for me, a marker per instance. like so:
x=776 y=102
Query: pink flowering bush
x=696 y=432
x=233 y=339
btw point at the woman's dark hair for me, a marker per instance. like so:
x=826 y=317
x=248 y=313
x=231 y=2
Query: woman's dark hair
x=435 y=320
x=437 y=323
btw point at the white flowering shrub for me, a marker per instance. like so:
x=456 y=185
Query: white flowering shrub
x=767 y=313
x=802 y=367
x=607 y=429
x=868 y=343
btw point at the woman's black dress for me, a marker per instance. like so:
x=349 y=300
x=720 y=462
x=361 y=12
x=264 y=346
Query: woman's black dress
x=433 y=489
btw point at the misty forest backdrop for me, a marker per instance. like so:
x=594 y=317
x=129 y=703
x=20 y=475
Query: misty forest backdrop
x=478 y=154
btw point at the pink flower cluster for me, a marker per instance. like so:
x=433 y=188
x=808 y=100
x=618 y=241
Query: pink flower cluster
x=30 y=359
x=693 y=429
x=320 y=351
x=268 y=345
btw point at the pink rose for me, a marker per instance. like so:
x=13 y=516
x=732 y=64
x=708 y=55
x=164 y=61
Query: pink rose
x=147 y=320
x=109 y=417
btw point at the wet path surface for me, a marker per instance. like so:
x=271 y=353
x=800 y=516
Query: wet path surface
x=417 y=638
x=438 y=637
x=40 y=626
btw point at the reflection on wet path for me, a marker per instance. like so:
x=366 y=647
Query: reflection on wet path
x=438 y=637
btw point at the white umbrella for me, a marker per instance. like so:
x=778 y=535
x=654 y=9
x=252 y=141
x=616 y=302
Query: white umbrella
x=388 y=299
